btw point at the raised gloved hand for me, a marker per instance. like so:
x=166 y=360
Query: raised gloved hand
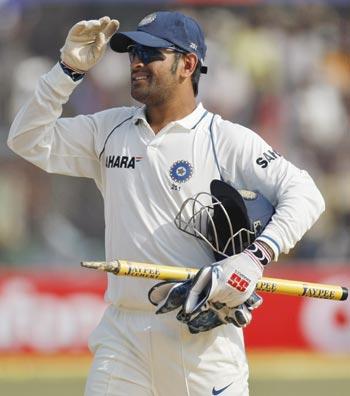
x=168 y=296
x=86 y=43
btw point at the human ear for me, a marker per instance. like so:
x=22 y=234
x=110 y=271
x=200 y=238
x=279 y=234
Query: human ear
x=189 y=64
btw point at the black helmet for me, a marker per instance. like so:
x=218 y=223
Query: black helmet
x=226 y=219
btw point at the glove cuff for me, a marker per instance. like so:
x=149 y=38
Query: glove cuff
x=73 y=74
x=259 y=254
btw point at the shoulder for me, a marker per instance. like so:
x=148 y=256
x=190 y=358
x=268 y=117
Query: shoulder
x=230 y=132
x=111 y=118
x=106 y=122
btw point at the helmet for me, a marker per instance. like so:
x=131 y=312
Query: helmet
x=226 y=219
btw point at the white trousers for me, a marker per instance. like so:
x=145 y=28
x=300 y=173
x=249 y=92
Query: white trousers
x=138 y=353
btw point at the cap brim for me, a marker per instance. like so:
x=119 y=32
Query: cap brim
x=121 y=41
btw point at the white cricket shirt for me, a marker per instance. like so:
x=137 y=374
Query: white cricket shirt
x=144 y=178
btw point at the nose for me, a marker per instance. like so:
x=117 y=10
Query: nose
x=136 y=64
x=135 y=61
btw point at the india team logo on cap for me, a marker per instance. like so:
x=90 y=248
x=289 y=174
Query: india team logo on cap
x=181 y=171
x=148 y=19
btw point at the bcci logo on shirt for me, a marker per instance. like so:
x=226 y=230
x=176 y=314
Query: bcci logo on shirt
x=181 y=171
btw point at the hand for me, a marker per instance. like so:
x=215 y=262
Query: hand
x=218 y=314
x=86 y=43
x=168 y=296
x=230 y=281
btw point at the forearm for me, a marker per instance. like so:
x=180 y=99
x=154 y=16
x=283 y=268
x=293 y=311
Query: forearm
x=31 y=132
x=299 y=206
x=57 y=145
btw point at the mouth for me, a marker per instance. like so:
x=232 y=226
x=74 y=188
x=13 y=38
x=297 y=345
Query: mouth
x=137 y=77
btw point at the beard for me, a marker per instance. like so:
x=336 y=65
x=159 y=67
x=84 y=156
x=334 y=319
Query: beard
x=151 y=92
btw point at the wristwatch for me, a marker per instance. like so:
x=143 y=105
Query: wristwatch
x=73 y=74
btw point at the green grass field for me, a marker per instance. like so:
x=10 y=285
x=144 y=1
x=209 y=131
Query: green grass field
x=299 y=374
x=271 y=375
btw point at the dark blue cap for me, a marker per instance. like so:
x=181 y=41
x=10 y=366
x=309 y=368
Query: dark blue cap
x=164 y=29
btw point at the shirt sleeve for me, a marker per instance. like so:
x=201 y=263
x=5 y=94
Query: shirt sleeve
x=248 y=162
x=58 y=145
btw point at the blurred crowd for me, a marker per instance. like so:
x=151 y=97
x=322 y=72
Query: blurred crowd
x=282 y=71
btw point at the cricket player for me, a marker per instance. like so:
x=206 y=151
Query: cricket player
x=146 y=161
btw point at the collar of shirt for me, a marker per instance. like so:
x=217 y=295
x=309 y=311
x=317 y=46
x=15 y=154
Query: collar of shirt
x=188 y=123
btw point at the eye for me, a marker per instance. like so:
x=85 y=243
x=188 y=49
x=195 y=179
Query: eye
x=131 y=52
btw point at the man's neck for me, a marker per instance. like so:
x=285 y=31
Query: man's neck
x=161 y=115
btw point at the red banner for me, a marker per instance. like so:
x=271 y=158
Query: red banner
x=285 y=322
x=49 y=312
x=55 y=312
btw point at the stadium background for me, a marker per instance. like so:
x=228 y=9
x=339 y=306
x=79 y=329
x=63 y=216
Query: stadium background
x=279 y=67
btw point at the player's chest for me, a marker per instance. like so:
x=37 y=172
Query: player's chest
x=174 y=161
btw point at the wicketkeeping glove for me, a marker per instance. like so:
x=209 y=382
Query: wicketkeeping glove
x=168 y=296
x=217 y=314
x=230 y=281
x=86 y=43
